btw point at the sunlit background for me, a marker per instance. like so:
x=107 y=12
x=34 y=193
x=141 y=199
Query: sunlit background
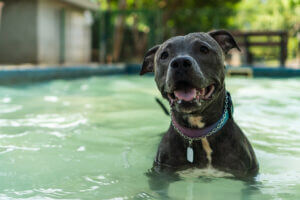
x=106 y=31
x=76 y=122
x=129 y=27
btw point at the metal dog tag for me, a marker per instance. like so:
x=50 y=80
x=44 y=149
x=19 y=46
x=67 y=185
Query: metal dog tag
x=190 y=152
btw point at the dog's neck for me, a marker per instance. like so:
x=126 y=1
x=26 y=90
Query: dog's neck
x=210 y=115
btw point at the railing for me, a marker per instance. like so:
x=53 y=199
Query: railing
x=244 y=41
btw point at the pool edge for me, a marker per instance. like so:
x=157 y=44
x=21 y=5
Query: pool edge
x=10 y=76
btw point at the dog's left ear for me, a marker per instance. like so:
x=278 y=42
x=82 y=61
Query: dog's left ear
x=224 y=39
x=148 y=63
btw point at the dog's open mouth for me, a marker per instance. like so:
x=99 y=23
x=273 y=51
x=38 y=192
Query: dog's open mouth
x=188 y=93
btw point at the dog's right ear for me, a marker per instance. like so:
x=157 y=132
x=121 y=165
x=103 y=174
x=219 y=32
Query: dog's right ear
x=148 y=63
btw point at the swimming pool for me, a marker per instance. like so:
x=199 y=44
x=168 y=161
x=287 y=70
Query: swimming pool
x=96 y=138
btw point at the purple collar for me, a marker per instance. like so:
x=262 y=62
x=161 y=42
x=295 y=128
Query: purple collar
x=196 y=134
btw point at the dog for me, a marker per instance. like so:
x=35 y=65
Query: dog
x=189 y=72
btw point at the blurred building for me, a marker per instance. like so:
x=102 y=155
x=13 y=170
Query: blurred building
x=46 y=31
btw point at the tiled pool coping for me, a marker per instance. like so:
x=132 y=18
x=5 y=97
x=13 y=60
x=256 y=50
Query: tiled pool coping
x=36 y=74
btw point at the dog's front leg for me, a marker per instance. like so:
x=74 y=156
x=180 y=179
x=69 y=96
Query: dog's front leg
x=159 y=179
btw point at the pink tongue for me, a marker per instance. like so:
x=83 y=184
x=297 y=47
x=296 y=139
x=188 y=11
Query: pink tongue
x=186 y=95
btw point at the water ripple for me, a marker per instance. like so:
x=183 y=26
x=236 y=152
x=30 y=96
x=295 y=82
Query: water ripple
x=100 y=180
x=46 y=121
x=10 y=148
x=10 y=108
x=14 y=135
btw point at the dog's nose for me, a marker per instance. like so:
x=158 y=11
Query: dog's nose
x=182 y=62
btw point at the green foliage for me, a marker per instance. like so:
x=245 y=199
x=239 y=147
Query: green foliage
x=130 y=4
x=268 y=15
x=183 y=21
x=164 y=18
x=197 y=15
x=180 y=17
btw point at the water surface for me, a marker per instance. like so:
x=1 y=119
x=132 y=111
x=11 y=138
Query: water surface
x=96 y=138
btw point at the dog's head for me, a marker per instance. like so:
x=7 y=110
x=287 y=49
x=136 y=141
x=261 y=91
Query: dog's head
x=189 y=70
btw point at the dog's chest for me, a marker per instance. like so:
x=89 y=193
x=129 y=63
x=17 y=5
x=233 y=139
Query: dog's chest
x=203 y=153
x=196 y=121
x=203 y=165
x=207 y=172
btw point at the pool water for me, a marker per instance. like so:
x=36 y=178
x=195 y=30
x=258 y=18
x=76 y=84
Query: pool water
x=96 y=138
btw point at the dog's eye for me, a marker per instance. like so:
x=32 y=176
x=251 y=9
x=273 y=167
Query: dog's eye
x=164 y=55
x=204 y=49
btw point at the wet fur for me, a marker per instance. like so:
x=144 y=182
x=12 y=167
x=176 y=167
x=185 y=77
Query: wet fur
x=228 y=150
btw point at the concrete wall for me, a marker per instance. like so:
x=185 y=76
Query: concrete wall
x=44 y=32
x=78 y=37
x=48 y=31
x=56 y=18
x=18 y=35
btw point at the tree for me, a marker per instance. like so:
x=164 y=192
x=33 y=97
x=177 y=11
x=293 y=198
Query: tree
x=270 y=15
x=178 y=17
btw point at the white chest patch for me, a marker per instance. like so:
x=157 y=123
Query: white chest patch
x=196 y=121
x=207 y=149
x=207 y=172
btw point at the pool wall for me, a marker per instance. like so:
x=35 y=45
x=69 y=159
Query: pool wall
x=37 y=73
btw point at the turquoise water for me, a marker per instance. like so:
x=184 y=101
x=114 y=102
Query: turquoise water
x=96 y=138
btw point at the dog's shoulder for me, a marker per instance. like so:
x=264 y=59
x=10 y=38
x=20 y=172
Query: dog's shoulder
x=171 y=150
x=235 y=150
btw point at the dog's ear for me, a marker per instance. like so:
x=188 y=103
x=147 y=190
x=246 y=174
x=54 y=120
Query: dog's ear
x=148 y=63
x=224 y=39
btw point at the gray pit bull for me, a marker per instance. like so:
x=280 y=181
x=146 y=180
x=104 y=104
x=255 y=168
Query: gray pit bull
x=189 y=72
